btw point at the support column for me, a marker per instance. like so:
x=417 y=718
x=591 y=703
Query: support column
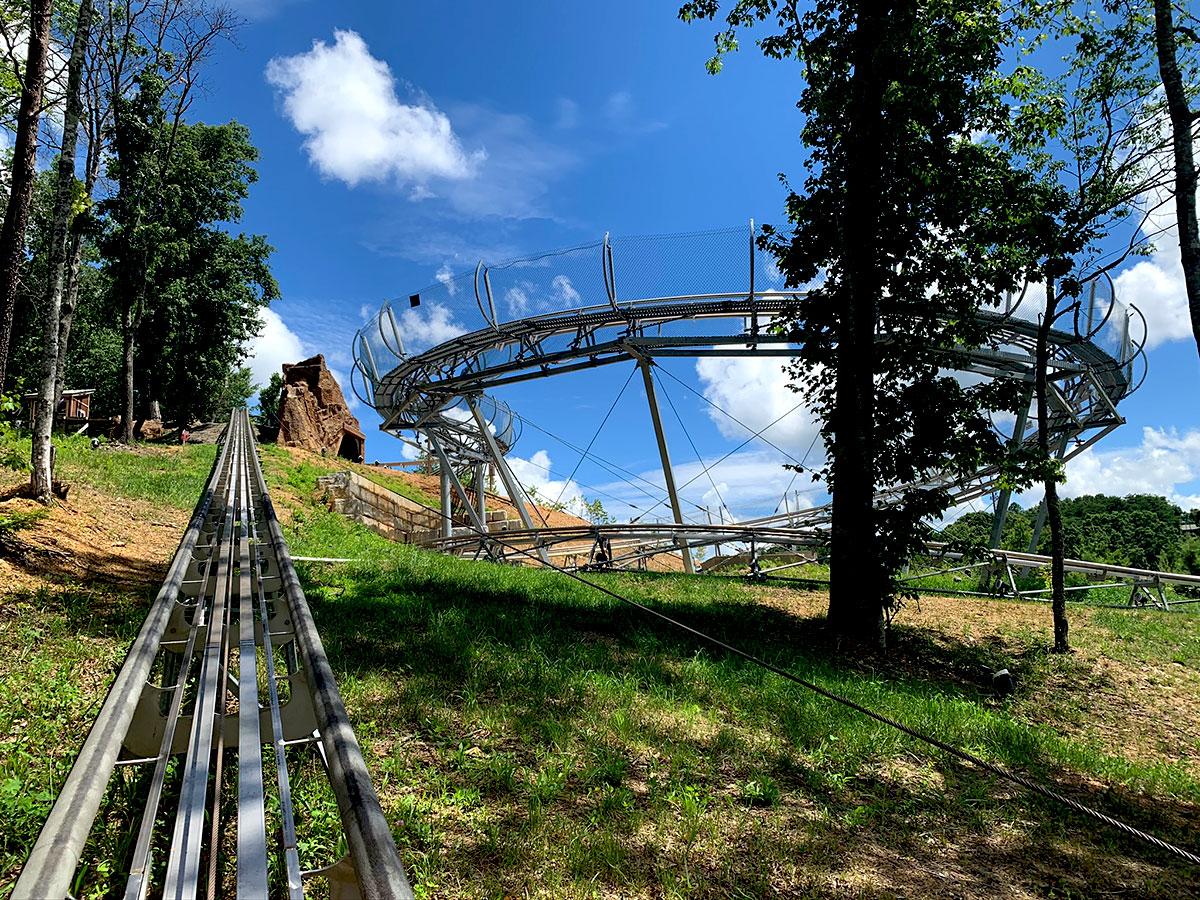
x=447 y=522
x=1000 y=516
x=648 y=377
x=481 y=493
x=450 y=480
x=506 y=476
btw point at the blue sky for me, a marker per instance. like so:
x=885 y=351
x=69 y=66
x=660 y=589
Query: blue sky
x=406 y=142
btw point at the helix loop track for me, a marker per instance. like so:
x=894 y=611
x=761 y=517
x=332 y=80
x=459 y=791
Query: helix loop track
x=430 y=366
x=225 y=688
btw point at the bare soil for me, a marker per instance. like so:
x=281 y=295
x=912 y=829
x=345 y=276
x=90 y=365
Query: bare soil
x=90 y=537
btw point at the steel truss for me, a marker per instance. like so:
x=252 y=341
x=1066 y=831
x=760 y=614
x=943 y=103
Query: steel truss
x=1000 y=569
x=437 y=393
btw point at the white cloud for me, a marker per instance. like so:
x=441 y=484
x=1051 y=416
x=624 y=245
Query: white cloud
x=274 y=345
x=1155 y=284
x=343 y=100
x=1164 y=463
x=622 y=116
x=751 y=483
x=517 y=300
x=567 y=113
x=754 y=390
x=426 y=326
x=516 y=177
x=445 y=276
x=566 y=291
x=260 y=9
x=618 y=105
x=535 y=473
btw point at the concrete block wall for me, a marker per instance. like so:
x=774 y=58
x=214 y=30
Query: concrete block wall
x=383 y=511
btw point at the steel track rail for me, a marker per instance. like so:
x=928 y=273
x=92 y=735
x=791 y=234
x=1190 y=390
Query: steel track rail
x=233 y=591
x=1091 y=369
x=653 y=538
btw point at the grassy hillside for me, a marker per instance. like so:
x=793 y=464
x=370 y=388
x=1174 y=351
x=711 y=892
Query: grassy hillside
x=529 y=736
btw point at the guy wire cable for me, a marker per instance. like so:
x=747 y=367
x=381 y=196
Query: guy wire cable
x=964 y=755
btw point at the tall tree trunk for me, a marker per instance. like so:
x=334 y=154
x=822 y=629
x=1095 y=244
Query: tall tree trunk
x=12 y=235
x=70 y=301
x=1058 y=596
x=856 y=583
x=128 y=328
x=66 y=313
x=1182 y=122
x=41 y=456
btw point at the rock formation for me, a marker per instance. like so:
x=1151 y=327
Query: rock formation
x=313 y=413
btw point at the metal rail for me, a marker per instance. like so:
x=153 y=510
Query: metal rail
x=202 y=687
x=623 y=545
x=687 y=295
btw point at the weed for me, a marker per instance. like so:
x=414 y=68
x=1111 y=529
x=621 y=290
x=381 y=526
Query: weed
x=761 y=790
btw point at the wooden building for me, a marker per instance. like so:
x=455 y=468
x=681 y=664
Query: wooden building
x=73 y=410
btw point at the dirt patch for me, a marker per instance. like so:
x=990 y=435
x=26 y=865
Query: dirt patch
x=89 y=537
x=1145 y=712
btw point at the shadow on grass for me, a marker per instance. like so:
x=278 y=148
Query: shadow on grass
x=563 y=663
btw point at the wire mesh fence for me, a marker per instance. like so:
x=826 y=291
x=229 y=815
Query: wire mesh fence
x=625 y=272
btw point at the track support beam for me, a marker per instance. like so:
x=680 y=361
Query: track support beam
x=644 y=362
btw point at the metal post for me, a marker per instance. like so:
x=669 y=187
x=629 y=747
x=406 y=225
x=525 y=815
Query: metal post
x=447 y=523
x=648 y=377
x=481 y=493
x=753 y=305
x=451 y=479
x=1000 y=516
x=506 y=476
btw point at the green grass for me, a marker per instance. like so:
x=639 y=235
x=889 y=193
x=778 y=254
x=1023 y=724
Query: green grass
x=172 y=477
x=531 y=736
x=399 y=485
x=59 y=649
x=525 y=728
x=301 y=474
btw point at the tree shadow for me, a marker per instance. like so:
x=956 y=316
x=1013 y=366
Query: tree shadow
x=430 y=636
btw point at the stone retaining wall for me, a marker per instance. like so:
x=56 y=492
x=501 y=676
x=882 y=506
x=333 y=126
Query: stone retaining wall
x=385 y=512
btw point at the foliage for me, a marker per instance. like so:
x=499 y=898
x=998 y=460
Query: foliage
x=1140 y=530
x=594 y=512
x=237 y=387
x=903 y=226
x=269 y=399
x=202 y=286
x=162 y=241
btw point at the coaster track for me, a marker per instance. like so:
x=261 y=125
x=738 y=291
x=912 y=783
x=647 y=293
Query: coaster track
x=429 y=370
x=226 y=684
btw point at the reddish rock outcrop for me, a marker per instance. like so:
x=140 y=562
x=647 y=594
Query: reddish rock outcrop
x=313 y=413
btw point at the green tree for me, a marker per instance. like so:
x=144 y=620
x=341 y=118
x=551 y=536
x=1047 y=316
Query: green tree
x=1090 y=137
x=1177 y=45
x=901 y=228
x=594 y=512
x=24 y=170
x=234 y=392
x=190 y=292
x=65 y=195
x=269 y=399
